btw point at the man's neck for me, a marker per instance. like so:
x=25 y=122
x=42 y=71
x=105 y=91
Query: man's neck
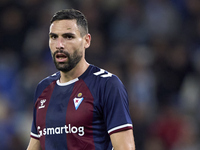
x=77 y=71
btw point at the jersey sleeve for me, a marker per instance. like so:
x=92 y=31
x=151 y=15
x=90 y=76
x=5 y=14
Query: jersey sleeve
x=34 y=133
x=116 y=107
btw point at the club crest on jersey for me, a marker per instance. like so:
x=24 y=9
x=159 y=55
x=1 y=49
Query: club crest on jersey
x=78 y=100
x=42 y=103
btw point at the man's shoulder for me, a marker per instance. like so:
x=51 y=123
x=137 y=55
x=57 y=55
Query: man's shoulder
x=43 y=84
x=102 y=76
x=48 y=80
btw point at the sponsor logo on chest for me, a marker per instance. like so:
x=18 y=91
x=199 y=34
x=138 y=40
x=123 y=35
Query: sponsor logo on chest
x=66 y=129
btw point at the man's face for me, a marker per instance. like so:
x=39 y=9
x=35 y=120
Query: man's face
x=66 y=44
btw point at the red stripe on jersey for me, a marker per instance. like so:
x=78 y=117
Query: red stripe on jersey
x=80 y=118
x=41 y=107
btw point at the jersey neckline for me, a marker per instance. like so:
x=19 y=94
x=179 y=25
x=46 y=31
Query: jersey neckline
x=74 y=80
x=66 y=83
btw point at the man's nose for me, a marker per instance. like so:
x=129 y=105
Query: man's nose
x=60 y=44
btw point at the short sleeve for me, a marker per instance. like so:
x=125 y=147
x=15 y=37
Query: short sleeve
x=116 y=106
x=34 y=133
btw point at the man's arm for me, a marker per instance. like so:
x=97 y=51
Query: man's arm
x=123 y=140
x=34 y=144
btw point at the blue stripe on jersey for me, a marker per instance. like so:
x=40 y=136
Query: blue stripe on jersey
x=55 y=117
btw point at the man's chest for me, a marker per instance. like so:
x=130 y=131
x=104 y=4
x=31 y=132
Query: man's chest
x=65 y=109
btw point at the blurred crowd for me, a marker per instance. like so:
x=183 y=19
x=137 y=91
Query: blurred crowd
x=152 y=45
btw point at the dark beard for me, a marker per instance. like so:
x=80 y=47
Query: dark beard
x=73 y=60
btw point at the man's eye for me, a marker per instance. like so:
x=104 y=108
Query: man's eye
x=68 y=37
x=53 y=36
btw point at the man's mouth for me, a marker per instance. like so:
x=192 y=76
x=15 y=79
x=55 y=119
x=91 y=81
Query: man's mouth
x=61 y=57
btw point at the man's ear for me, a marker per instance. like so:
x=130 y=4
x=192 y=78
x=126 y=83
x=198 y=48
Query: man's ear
x=87 y=40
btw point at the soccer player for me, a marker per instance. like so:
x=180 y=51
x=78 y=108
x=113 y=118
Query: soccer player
x=81 y=107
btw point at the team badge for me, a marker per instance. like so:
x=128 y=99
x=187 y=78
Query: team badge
x=78 y=100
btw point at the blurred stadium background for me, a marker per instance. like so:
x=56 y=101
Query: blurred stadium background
x=152 y=45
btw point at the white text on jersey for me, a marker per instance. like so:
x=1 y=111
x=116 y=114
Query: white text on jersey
x=61 y=130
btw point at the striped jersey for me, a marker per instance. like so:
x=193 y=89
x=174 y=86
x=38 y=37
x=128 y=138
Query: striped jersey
x=80 y=114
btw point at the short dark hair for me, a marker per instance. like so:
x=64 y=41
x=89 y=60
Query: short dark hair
x=70 y=14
